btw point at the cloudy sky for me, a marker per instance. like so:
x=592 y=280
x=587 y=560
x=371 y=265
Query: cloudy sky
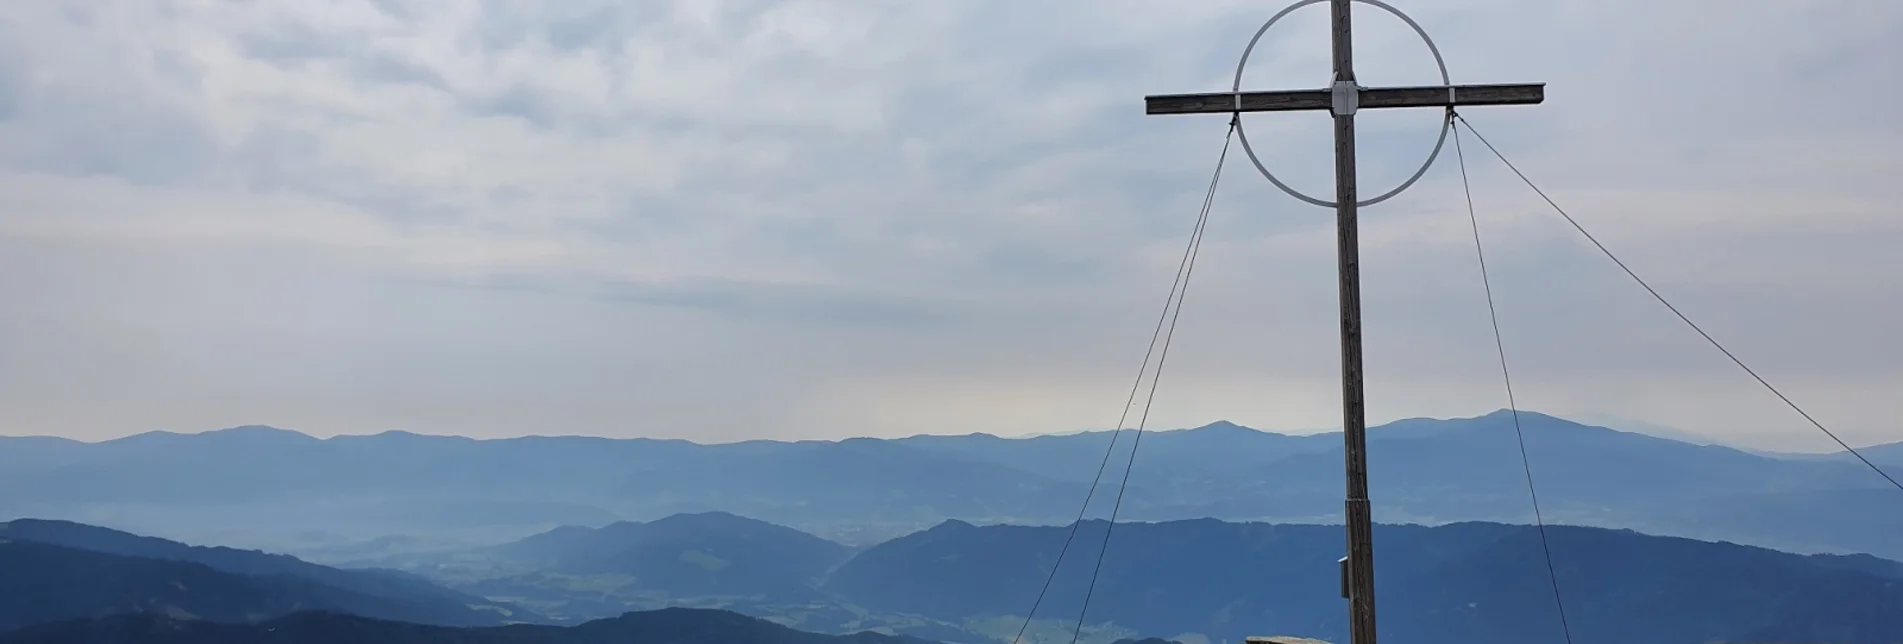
x=724 y=219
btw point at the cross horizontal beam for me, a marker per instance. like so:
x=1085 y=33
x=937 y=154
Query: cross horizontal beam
x=1322 y=99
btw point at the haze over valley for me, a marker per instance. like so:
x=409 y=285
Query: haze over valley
x=284 y=491
x=936 y=537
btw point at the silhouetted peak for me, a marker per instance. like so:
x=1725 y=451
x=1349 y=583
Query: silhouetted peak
x=582 y=530
x=259 y=433
x=1225 y=426
x=1549 y=422
x=249 y=434
x=952 y=525
x=687 y=613
x=1885 y=448
x=255 y=429
x=49 y=524
x=63 y=532
x=147 y=437
x=1491 y=422
x=857 y=442
x=1508 y=415
x=706 y=519
x=410 y=436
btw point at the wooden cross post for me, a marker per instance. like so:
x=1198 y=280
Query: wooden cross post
x=1343 y=98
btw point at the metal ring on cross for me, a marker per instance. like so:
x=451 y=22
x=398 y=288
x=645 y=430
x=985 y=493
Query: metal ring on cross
x=1236 y=88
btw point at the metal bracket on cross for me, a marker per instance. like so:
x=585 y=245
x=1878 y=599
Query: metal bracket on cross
x=1344 y=97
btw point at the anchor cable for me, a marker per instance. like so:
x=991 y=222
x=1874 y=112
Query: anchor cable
x=1183 y=269
x=1195 y=249
x=1674 y=309
x=1506 y=375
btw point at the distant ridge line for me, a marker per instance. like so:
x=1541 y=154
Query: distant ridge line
x=260 y=430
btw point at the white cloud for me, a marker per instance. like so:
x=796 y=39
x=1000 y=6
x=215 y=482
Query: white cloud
x=722 y=219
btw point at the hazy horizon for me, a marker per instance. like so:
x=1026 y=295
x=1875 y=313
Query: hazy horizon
x=1636 y=427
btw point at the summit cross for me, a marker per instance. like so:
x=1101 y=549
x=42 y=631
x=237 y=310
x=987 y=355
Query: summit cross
x=1343 y=98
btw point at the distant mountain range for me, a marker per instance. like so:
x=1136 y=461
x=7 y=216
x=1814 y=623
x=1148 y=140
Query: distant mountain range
x=1197 y=581
x=671 y=626
x=287 y=491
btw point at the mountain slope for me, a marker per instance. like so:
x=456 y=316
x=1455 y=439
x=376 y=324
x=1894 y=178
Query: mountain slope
x=45 y=583
x=1468 y=582
x=415 y=598
x=1888 y=455
x=670 y=626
